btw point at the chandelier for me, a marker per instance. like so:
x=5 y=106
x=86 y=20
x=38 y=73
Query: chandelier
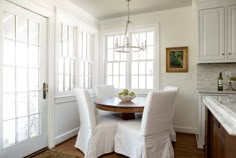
x=128 y=45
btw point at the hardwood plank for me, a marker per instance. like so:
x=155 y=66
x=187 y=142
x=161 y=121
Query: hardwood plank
x=185 y=147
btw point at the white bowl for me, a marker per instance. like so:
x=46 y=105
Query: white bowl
x=126 y=98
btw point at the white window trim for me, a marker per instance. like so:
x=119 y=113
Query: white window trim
x=156 y=60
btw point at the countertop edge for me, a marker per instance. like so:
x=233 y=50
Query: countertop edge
x=221 y=115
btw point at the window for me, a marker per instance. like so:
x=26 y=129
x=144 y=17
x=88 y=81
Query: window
x=67 y=58
x=131 y=70
x=86 y=61
x=75 y=58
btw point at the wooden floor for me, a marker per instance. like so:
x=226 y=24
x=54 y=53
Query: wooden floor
x=185 y=147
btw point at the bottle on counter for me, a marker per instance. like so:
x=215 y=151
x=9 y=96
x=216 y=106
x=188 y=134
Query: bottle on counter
x=220 y=82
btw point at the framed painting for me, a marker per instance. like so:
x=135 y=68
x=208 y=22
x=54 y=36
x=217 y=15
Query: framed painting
x=177 y=59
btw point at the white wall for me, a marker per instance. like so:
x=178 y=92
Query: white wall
x=177 y=27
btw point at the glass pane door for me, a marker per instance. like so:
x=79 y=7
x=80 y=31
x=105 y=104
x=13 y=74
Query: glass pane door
x=22 y=73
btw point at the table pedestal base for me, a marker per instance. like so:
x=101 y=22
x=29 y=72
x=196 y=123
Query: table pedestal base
x=127 y=116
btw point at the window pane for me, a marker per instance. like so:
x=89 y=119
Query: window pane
x=134 y=68
x=122 y=69
x=122 y=82
x=21 y=104
x=22 y=129
x=150 y=38
x=135 y=56
x=8 y=106
x=86 y=82
x=142 y=55
x=149 y=52
x=117 y=56
x=109 y=80
x=81 y=68
x=60 y=83
x=34 y=125
x=34 y=33
x=33 y=102
x=149 y=68
x=21 y=54
x=33 y=56
x=9 y=133
x=116 y=68
x=33 y=79
x=72 y=81
x=123 y=56
x=142 y=82
x=149 y=82
x=8 y=25
x=61 y=63
x=8 y=52
x=90 y=69
x=81 y=82
x=21 y=29
x=72 y=65
x=134 y=82
x=86 y=68
x=142 y=68
x=67 y=82
x=8 y=82
x=142 y=38
x=67 y=66
x=71 y=42
x=110 y=42
x=116 y=81
x=110 y=55
x=64 y=40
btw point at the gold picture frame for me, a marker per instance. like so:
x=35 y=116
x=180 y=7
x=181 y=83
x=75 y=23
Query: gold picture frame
x=177 y=59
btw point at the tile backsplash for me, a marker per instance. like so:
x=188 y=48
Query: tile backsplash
x=207 y=74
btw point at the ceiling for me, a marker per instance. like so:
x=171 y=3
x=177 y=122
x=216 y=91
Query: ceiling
x=104 y=9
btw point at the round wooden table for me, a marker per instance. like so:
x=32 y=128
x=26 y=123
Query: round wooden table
x=127 y=109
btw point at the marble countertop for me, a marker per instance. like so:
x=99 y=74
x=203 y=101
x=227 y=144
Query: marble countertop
x=224 y=110
x=215 y=91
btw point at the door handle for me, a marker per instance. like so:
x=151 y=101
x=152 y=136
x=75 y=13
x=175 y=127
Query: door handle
x=45 y=90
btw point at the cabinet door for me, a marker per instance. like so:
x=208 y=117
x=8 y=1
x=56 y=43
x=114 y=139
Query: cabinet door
x=212 y=35
x=218 y=140
x=232 y=32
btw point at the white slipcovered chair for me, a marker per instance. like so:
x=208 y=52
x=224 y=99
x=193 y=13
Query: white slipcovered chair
x=96 y=134
x=149 y=138
x=104 y=91
x=172 y=132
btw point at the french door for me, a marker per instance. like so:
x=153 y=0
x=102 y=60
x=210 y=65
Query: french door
x=23 y=111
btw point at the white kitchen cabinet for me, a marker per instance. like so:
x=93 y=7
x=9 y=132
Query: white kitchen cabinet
x=231 y=32
x=217 y=34
x=211 y=39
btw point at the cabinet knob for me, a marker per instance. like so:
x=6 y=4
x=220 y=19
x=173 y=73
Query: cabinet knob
x=222 y=53
x=230 y=53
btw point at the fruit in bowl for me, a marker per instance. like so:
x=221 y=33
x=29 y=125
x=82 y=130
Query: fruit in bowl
x=126 y=96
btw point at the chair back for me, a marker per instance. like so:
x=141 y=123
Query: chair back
x=157 y=115
x=105 y=91
x=86 y=108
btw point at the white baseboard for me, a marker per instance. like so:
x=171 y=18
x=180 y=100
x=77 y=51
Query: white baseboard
x=66 y=135
x=183 y=129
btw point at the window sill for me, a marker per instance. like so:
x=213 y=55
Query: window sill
x=70 y=97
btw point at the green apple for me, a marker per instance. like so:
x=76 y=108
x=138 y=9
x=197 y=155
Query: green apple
x=125 y=91
x=131 y=94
